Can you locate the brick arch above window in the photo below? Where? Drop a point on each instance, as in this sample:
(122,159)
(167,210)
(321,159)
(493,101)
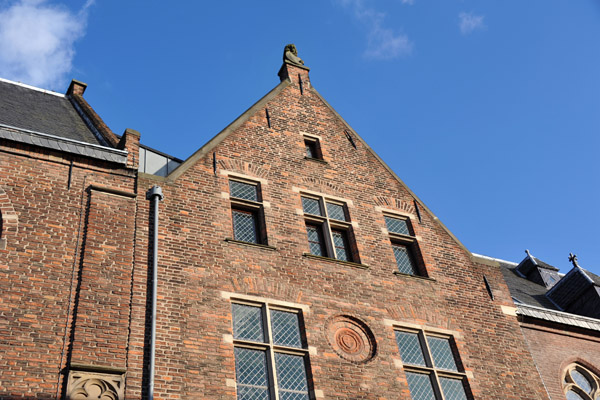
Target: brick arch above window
(245,168)
(9,220)
(395,203)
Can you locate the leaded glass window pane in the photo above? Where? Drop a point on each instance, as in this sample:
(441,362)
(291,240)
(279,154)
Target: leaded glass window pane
(286,329)
(441,353)
(397,225)
(243,190)
(581,381)
(404,260)
(311,206)
(248,323)
(453,389)
(571,395)
(340,243)
(410,348)
(291,376)
(315,240)
(336,211)
(251,374)
(420,386)
(244,226)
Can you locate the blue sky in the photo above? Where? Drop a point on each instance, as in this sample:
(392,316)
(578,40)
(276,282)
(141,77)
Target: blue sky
(489,111)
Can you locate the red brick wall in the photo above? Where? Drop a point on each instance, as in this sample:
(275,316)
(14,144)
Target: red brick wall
(195,355)
(41,262)
(553,349)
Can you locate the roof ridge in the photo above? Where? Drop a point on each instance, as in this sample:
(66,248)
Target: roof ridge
(24,85)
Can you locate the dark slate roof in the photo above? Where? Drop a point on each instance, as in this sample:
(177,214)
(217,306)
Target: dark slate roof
(36,110)
(571,287)
(593,277)
(524,290)
(542,264)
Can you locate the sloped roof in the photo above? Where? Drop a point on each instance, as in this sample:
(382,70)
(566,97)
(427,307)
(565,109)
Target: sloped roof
(524,290)
(33,109)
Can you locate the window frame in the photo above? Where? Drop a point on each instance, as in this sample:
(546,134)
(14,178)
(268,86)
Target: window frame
(270,348)
(570,385)
(254,208)
(328,225)
(409,242)
(435,373)
(315,145)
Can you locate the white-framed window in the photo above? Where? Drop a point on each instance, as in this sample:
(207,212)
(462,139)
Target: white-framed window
(431,364)
(404,245)
(579,383)
(271,355)
(328,228)
(247,212)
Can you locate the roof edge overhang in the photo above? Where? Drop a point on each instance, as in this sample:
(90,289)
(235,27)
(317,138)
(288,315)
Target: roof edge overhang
(559,317)
(58,143)
(219,137)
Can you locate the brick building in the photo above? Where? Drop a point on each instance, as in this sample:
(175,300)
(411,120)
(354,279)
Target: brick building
(559,316)
(291,263)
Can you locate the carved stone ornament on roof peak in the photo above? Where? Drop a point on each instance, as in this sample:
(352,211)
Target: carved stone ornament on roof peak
(290,54)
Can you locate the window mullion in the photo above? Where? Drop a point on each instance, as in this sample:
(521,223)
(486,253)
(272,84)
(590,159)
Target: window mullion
(437,387)
(328,236)
(273,370)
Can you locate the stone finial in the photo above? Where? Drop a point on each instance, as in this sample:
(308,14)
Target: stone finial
(290,54)
(573,259)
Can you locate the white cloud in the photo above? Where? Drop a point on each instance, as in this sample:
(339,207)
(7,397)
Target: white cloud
(383,42)
(37,41)
(469,22)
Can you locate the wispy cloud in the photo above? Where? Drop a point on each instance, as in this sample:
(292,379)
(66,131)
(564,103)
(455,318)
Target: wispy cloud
(37,41)
(383,43)
(469,22)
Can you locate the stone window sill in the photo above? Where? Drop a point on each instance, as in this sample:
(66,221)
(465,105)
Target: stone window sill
(426,278)
(336,261)
(316,160)
(260,246)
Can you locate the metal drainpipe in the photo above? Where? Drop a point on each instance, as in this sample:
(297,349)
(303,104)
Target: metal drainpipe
(155,194)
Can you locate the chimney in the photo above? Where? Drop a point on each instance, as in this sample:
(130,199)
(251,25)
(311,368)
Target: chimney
(130,141)
(293,68)
(76,87)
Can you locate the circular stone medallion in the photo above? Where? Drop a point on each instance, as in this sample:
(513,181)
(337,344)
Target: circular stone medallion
(351,338)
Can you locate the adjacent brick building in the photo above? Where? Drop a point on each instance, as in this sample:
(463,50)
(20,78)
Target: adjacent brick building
(292,263)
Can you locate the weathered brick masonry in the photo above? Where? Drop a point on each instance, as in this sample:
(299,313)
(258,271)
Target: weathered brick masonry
(199,270)
(76,250)
(66,259)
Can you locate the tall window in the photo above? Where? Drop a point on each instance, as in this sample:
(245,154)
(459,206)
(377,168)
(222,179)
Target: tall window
(329,229)
(580,383)
(270,353)
(432,367)
(247,212)
(404,244)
